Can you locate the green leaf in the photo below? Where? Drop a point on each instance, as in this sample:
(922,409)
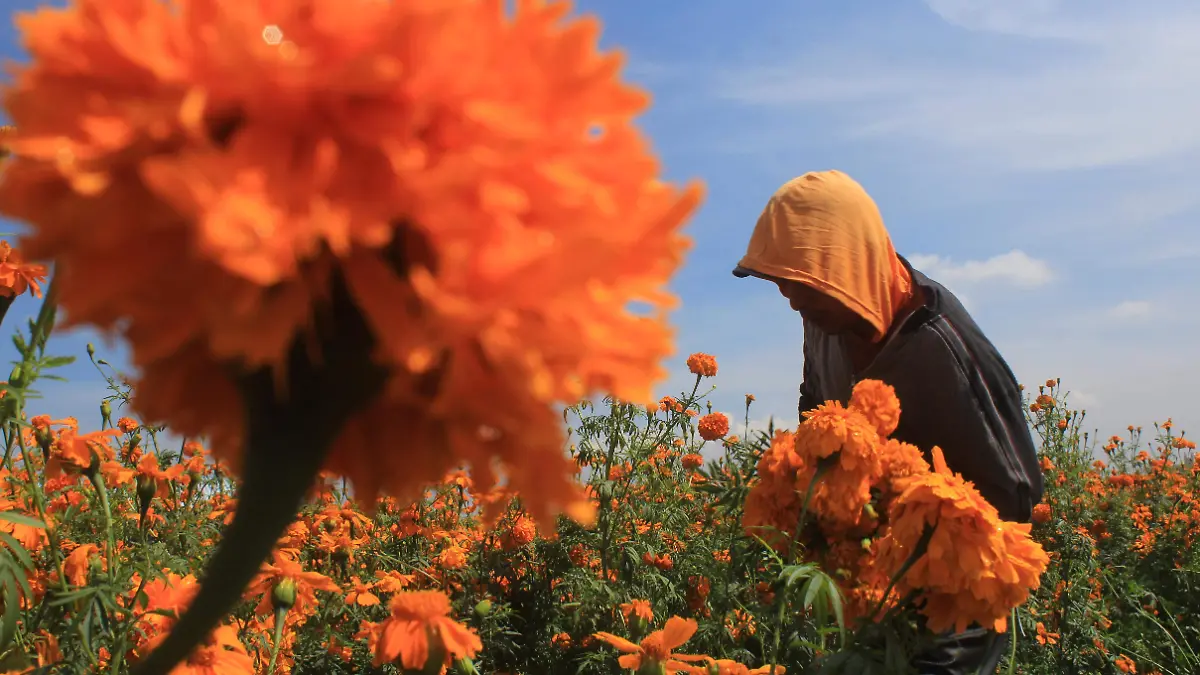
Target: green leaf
(71,596)
(57,361)
(12,611)
(811,590)
(19,518)
(17,550)
(835,599)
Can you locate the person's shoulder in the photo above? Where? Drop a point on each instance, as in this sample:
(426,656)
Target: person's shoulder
(940,302)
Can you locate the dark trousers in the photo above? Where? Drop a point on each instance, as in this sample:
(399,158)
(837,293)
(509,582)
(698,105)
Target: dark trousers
(976,651)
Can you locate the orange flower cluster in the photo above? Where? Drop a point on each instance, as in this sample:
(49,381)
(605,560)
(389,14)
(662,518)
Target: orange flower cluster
(861,484)
(975,568)
(490,207)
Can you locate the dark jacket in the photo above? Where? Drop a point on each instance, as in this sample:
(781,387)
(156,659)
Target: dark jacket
(955,391)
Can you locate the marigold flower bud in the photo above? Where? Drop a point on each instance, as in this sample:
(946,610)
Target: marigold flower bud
(283,595)
(483,608)
(16,378)
(146,490)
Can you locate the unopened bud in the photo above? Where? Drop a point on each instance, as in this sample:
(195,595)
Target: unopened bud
(96,569)
(43,437)
(283,596)
(869,509)
(866,544)
(91,351)
(135,440)
(16,378)
(147,488)
(483,608)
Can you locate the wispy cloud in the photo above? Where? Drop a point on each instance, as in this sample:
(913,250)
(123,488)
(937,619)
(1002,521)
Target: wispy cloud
(1112,83)
(1130,309)
(1014,268)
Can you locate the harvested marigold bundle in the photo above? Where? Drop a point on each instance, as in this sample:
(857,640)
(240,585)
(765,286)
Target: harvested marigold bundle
(975,567)
(967,565)
(353,254)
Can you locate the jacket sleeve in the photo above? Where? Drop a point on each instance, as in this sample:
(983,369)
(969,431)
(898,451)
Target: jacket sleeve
(966,401)
(808,388)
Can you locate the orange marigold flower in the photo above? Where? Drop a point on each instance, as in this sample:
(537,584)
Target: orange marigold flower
(692,461)
(491,207)
(17,276)
(847,442)
(1041,513)
(772,506)
(1125,664)
(1045,637)
(637,608)
(170,593)
(420,628)
(78,563)
(221,654)
(285,568)
(899,460)
(714,426)
(360,593)
(975,567)
(656,649)
(877,401)
(703,365)
(73,452)
(453,557)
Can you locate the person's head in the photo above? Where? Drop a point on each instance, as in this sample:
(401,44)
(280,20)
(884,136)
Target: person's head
(821,239)
(827,313)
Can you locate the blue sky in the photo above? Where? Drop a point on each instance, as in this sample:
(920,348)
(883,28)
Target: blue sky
(1038,157)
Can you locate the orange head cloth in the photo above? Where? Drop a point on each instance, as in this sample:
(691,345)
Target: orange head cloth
(823,230)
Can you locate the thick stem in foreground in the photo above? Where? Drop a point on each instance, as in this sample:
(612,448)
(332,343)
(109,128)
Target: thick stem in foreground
(289,434)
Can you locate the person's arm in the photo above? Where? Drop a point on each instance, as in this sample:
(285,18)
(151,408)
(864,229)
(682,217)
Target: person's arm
(808,397)
(965,400)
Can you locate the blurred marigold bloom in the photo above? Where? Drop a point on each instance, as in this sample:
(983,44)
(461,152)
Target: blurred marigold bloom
(487,200)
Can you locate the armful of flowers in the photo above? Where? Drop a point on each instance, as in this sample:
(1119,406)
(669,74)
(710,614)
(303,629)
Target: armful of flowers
(918,549)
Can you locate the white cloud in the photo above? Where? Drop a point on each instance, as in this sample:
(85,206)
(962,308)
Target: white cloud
(1080,84)
(1082,399)
(1015,268)
(1130,309)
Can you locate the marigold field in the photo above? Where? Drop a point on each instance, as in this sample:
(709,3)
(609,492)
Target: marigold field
(367,258)
(105,530)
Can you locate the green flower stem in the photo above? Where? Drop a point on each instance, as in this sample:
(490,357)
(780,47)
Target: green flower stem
(39,502)
(280,620)
(97,481)
(781,595)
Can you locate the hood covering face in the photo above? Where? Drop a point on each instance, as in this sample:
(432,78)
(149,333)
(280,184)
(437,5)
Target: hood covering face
(823,230)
